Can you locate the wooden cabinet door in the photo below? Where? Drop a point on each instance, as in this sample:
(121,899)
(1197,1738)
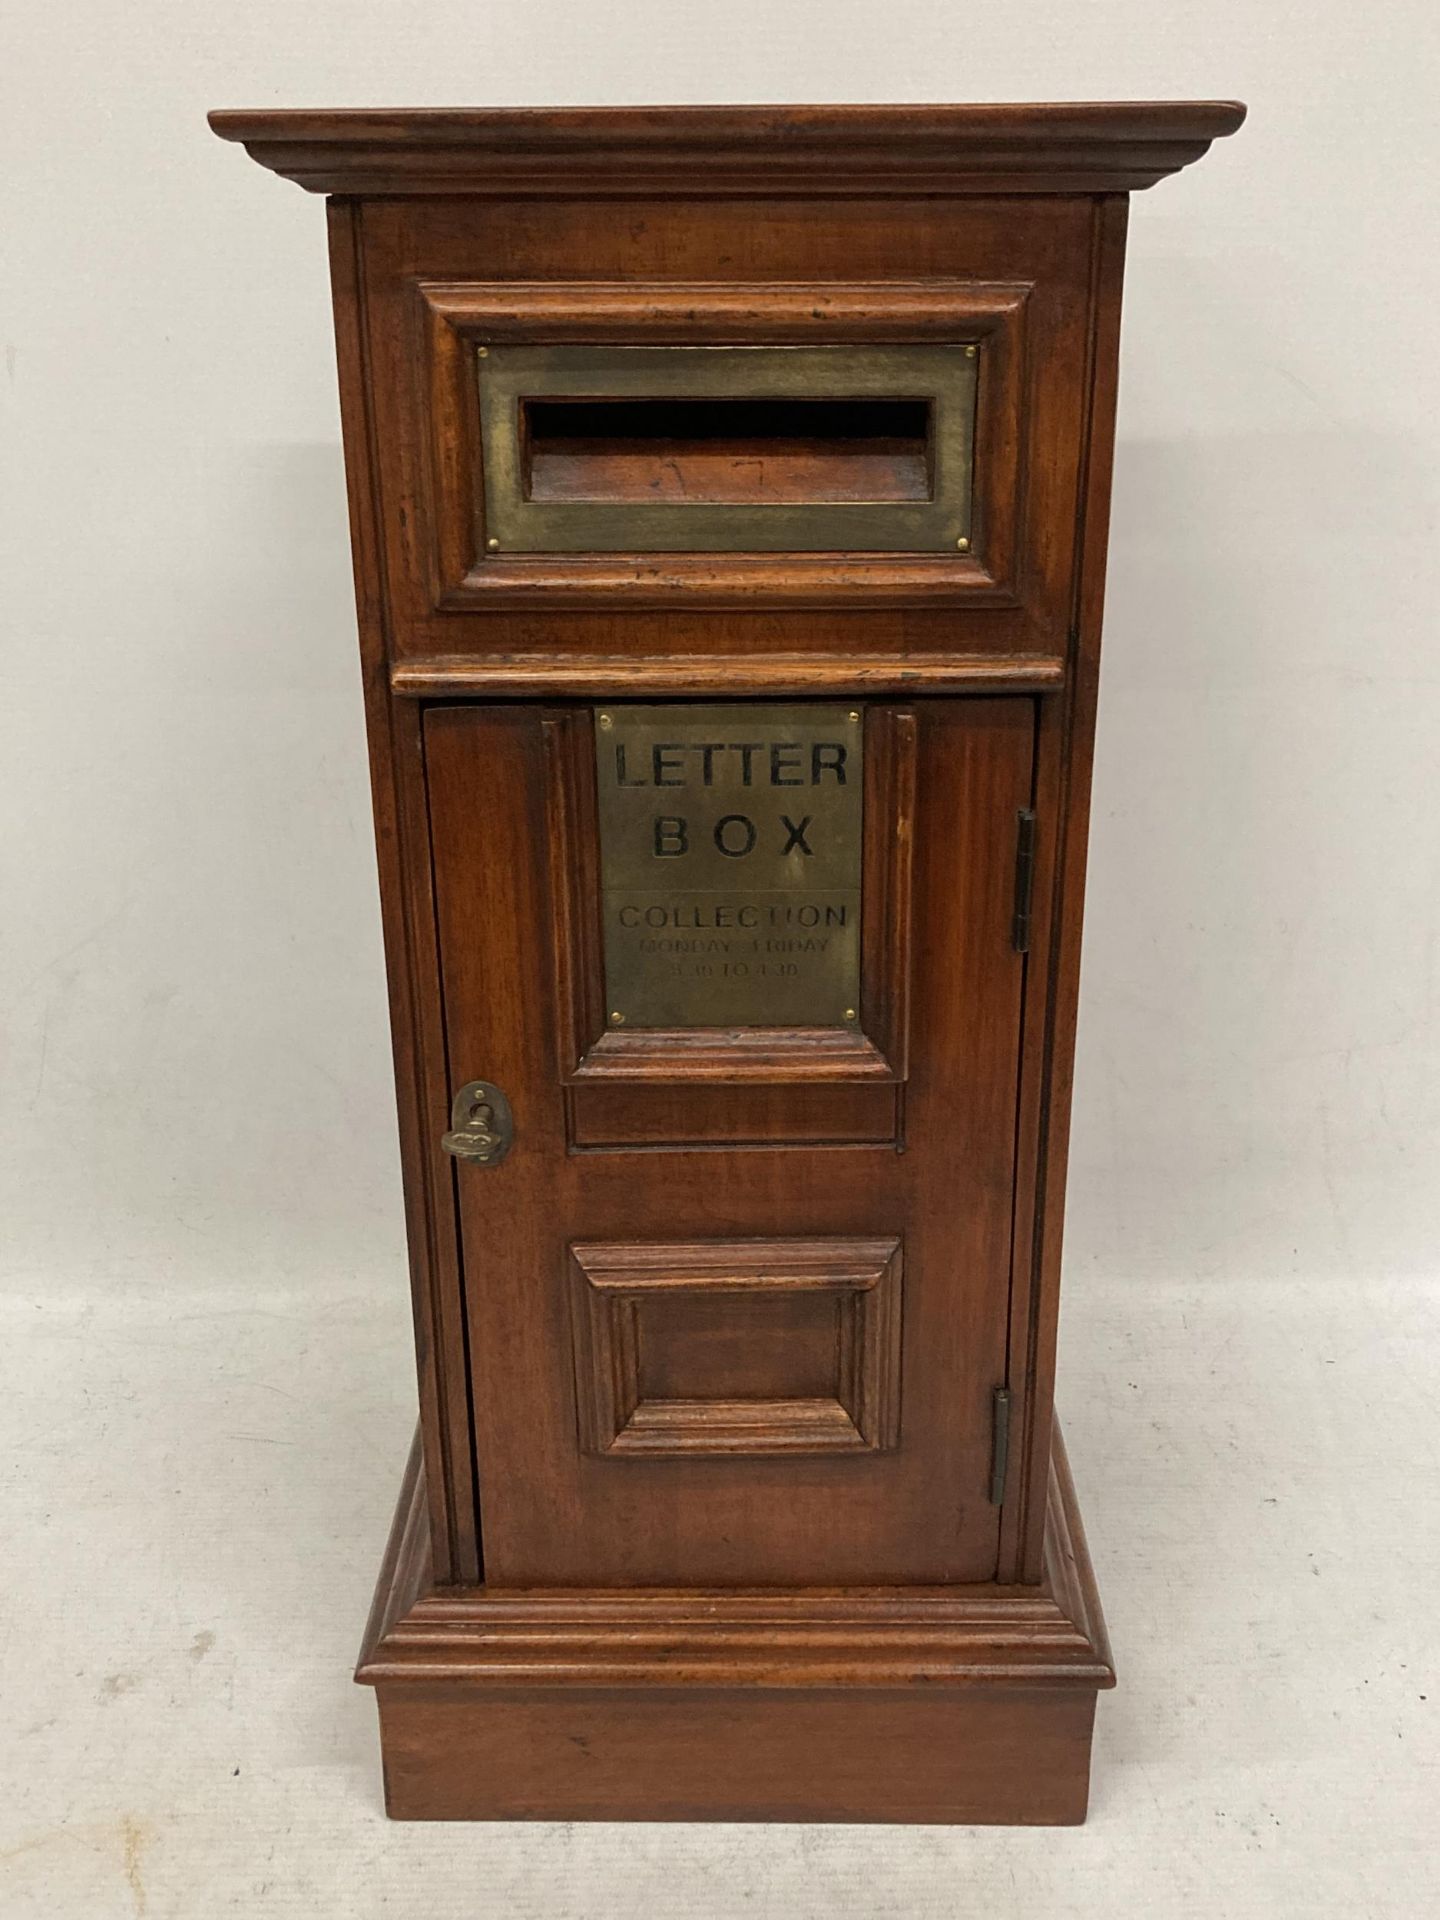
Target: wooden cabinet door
(735,1328)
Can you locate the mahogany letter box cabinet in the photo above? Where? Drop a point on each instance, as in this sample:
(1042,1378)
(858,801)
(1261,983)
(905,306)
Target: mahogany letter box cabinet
(729,493)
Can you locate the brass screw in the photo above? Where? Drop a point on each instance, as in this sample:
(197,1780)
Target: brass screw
(606,721)
(963,544)
(849,1013)
(854,713)
(969,352)
(480,352)
(617,1019)
(492,543)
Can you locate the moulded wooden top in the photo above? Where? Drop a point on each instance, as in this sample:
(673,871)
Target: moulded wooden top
(830,152)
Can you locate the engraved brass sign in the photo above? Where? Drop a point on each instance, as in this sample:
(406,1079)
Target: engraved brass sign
(730,855)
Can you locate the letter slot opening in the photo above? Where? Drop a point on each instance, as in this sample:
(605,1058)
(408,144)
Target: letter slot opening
(616,449)
(727,451)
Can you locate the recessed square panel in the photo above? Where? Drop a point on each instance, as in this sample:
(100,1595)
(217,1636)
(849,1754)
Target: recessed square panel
(737,1346)
(731,864)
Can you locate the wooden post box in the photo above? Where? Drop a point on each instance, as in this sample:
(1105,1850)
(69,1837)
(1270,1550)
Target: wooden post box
(729,493)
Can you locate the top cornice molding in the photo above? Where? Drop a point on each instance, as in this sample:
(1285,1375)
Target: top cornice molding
(731,152)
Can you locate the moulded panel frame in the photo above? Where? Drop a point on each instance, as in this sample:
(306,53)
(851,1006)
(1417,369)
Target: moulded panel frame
(456,318)
(615,1286)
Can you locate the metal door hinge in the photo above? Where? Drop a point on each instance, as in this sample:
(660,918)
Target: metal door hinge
(481,1127)
(1024,878)
(999,1444)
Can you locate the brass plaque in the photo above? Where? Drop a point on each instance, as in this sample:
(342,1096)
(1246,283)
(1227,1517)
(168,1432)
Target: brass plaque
(730,856)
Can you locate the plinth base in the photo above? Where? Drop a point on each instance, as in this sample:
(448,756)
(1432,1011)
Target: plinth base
(953,1705)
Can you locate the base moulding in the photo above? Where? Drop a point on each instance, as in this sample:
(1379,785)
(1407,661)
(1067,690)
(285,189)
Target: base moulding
(941,1704)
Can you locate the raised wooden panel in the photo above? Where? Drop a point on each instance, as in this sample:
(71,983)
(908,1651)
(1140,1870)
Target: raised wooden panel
(618,1114)
(737,1346)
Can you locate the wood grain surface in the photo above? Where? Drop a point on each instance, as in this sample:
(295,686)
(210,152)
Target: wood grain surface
(712,1510)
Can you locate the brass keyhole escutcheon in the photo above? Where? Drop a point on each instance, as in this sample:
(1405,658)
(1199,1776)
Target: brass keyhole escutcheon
(482,1126)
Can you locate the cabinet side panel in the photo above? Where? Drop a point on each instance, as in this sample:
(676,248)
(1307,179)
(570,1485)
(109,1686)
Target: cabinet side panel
(407,915)
(1062,804)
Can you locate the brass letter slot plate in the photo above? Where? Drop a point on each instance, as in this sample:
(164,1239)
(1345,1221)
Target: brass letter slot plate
(730,859)
(722,449)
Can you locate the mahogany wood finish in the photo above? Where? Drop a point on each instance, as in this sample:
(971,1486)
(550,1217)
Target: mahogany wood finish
(738,1346)
(1088,147)
(950,1704)
(712,1510)
(455,319)
(920,1513)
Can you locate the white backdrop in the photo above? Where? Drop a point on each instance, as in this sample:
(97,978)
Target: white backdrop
(195,1076)
(195,1104)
